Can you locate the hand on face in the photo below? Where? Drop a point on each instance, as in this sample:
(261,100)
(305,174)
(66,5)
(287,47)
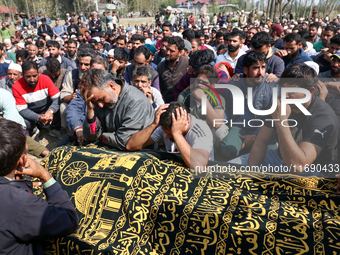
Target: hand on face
(179,123)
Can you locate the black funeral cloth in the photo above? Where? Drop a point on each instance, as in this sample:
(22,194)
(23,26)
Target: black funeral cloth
(135,203)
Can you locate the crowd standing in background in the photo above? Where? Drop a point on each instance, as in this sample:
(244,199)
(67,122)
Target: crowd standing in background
(141,86)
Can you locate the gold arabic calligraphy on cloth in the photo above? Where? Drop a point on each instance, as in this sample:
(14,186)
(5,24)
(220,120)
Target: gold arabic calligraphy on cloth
(133,203)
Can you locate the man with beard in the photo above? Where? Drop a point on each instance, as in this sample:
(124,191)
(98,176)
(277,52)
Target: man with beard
(73,29)
(14,73)
(54,71)
(37,98)
(261,42)
(168,14)
(251,32)
(53,48)
(128,110)
(326,35)
(95,25)
(276,31)
(137,40)
(71,50)
(166,32)
(234,50)
(45,30)
(331,77)
(293,52)
(313,33)
(142,58)
(309,139)
(120,43)
(241,138)
(173,68)
(324,58)
(162,51)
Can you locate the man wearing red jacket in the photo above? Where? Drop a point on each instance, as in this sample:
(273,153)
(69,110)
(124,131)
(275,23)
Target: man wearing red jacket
(36,96)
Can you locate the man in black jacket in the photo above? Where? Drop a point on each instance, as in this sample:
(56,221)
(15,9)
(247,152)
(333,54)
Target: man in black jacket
(44,29)
(25,218)
(73,29)
(95,26)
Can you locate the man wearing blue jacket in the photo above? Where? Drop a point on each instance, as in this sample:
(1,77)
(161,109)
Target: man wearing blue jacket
(242,134)
(293,52)
(26,219)
(261,42)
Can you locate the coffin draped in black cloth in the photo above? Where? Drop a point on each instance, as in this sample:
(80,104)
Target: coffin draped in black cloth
(141,203)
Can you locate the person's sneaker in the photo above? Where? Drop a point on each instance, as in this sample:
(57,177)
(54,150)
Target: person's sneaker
(56,133)
(65,140)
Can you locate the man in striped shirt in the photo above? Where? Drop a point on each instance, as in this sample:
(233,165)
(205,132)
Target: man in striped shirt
(36,96)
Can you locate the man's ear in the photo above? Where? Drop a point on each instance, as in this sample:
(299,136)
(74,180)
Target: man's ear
(112,85)
(300,45)
(245,71)
(21,162)
(312,91)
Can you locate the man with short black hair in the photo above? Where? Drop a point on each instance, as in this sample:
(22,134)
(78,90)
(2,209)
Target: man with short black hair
(254,76)
(166,31)
(45,30)
(25,218)
(142,80)
(128,109)
(326,35)
(173,68)
(72,29)
(22,56)
(142,57)
(37,98)
(293,52)
(261,42)
(309,139)
(118,68)
(53,48)
(181,132)
(137,40)
(324,59)
(71,50)
(54,71)
(234,50)
(313,33)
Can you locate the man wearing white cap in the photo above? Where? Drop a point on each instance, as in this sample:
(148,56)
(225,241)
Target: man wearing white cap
(243,19)
(168,15)
(14,73)
(110,56)
(3,59)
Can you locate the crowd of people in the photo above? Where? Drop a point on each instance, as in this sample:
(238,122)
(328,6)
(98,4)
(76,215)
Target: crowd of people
(128,87)
(158,86)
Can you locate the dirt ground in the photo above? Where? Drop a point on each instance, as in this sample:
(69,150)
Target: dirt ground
(46,140)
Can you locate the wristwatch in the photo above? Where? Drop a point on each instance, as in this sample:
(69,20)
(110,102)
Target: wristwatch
(51,111)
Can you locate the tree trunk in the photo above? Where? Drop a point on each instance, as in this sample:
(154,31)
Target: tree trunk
(291,7)
(310,9)
(298,12)
(34,8)
(280,10)
(268,7)
(275,6)
(27,9)
(319,7)
(304,10)
(332,9)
